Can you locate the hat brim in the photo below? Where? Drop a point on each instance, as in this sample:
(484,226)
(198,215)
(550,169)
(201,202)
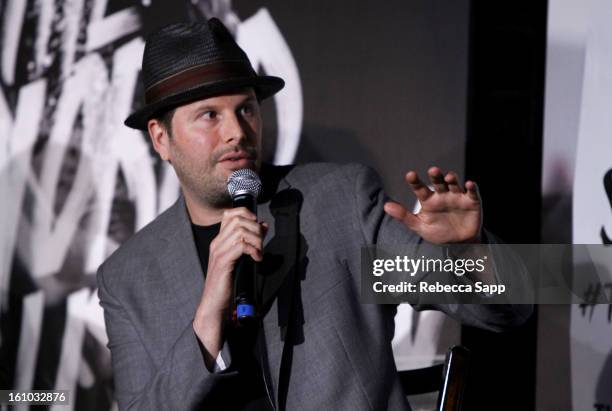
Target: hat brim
(264,86)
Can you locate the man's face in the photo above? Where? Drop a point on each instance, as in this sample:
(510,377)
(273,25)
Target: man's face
(210,139)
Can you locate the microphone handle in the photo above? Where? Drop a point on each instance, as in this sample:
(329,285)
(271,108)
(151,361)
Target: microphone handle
(244,274)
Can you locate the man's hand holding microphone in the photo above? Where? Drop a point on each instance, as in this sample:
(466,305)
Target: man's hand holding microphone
(240,235)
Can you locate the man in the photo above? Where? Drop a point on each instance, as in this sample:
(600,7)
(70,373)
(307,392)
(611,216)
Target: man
(167,292)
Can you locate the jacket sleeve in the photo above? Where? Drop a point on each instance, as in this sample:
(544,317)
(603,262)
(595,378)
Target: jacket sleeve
(181,381)
(378,228)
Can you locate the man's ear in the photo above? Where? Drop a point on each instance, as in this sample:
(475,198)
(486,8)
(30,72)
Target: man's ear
(159,138)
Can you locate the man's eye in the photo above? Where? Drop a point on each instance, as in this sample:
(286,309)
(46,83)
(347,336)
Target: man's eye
(209,115)
(247,110)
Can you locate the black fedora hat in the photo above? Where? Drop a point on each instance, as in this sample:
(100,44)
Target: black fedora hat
(185,62)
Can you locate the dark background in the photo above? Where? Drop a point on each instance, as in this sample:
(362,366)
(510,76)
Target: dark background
(504,154)
(384,84)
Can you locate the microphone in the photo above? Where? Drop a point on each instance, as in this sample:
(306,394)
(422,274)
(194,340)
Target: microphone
(244,186)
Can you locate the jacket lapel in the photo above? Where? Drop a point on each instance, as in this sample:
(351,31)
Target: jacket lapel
(179,262)
(279,277)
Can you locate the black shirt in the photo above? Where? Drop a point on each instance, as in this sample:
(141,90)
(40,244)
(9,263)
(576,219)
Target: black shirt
(246,390)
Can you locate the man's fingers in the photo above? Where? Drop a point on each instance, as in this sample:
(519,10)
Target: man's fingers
(230,213)
(437,180)
(240,242)
(239,221)
(245,236)
(255,253)
(398,212)
(453,183)
(243,211)
(472,190)
(421,191)
(237,232)
(229,257)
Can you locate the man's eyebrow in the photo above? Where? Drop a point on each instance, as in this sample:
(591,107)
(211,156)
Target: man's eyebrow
(249,99)
(204,105)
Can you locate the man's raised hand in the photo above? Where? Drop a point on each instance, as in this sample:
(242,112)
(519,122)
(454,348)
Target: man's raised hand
(449,214)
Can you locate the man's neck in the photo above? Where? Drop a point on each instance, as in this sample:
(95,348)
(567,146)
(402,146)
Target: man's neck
(201,214)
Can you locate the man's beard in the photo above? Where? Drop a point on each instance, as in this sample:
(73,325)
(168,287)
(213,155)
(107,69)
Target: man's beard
(209,188)
(214,192)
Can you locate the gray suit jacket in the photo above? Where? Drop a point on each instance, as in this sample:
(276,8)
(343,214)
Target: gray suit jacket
(325,350)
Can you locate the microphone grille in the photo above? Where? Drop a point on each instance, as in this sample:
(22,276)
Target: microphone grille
(244,181)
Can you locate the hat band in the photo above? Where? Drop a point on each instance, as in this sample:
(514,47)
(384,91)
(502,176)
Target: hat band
(197,76)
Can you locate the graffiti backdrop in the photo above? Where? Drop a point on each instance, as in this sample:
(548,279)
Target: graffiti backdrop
(75,182)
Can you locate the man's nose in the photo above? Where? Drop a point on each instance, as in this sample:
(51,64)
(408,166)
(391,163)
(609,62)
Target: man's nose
(233,130)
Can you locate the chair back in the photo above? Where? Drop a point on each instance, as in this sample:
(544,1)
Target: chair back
(449,379)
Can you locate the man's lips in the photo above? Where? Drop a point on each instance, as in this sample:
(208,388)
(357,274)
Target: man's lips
(236,156)
(237,160)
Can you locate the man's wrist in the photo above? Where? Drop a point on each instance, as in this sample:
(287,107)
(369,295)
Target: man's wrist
(208,320)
